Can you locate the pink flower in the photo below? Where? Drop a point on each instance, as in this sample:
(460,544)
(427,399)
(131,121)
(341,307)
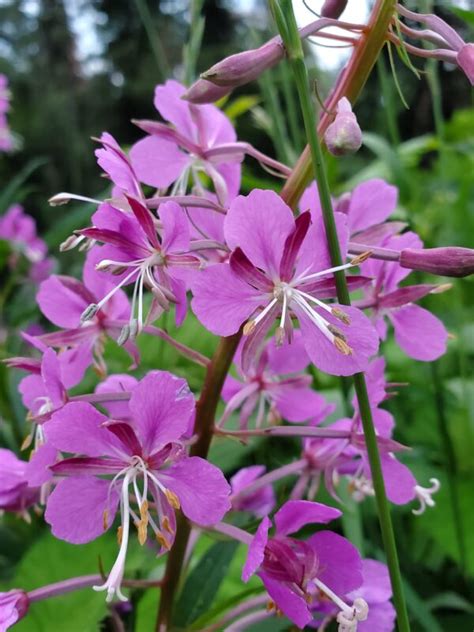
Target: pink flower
(276,381)
(13,607)
(15,493)
(144,457)
(19,229)
(137,253)
(420,334)
(280,269)
(260,502)
(291,569)
(63,301)
(198,138)
(116,164)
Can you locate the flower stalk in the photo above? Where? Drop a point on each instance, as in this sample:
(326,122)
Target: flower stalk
(286,22)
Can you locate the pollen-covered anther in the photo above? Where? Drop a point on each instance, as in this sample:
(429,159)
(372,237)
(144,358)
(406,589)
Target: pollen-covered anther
(270,606)
(342,346)
(28,439)
(249,327)
(339,314)
(142,530)
(172,499)
(165,523)
(357,260)
(161,539)
(105,520)
(119,535)
(279,336)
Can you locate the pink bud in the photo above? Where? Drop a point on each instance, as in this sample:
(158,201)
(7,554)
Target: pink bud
(465,59)
(344,135)
(451,261)
(333,8)
(243,67)
(203,91)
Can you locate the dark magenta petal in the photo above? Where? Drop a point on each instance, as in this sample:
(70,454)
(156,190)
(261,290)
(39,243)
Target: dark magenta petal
(80,465)
(294,606)
(405,295)
(145,220)
(256,550)
(295,514)
(245,270)
(126,434)
(292,245)
(115,239)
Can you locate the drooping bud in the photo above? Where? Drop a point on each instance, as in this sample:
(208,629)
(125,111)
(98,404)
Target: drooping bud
(243,67)
(203,91)
(344,135)
(333,8)
(465,59)
(451,261)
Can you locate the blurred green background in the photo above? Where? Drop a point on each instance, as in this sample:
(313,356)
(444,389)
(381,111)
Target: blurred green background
(79,67)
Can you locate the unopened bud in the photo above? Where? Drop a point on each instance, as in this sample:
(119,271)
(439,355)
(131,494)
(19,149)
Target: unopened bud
(344,135)
(449,261)
(203,91)
(241,68)
(333,8)
(465,59)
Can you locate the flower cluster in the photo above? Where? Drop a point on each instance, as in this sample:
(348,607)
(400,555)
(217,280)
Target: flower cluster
(128,456)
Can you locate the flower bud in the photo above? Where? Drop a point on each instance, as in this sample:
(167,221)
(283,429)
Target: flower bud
(451,261)
(243,67)
(333,8)
(203,91)
(465,59)
(344,135)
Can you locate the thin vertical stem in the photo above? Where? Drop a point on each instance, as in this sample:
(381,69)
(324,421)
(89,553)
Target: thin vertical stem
(193,46)
(388,101)
(285,18)
(153,38)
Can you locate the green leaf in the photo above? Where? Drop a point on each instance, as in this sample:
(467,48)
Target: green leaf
(11,193)
(464,14)
(420,611)
(241,105)
(203,582)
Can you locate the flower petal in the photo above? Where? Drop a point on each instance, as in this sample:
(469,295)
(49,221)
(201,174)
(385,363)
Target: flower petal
(61,305)
(371,203)
(420,334)
(161,406)
(295,514)
(76,507)
(201,488)
(291,604)
(175,228)
(259,223)
(222,302)
(157,162)
(256,550)
(297,403)
(77,428)
(340,565)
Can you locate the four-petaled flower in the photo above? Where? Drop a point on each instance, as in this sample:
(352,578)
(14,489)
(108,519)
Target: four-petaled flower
(140,465)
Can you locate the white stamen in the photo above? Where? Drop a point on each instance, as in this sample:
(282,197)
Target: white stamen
(320,322)
(359,612)
(316,275)
(424,495)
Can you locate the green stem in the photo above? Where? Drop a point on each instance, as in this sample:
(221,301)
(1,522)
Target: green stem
(192,48)
(349,84)
(154,39)
(205,415)
(291,105)
(388,101)
(285,18)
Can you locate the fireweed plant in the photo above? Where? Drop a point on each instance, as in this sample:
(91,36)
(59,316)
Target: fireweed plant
(272,274)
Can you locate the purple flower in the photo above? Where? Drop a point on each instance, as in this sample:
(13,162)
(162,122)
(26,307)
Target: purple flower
(376,591)
(197,139)
(19,229)
(116,164)
(63,300)
(13,607)
(144,457)
(15,493)
(137,253)
(292,569)
(280,268)
(420,334)
(259,503)
(275,380)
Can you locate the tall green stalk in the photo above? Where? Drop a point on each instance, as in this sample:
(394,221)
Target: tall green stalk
(154,39)
(286,22)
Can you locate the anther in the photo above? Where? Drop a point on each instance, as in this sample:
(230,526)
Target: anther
(439,289)
(249,327)
(166,525)
(342,346)
(279,336)
(336,332)
(89,312)
(105,520)
(172,499)
(124,335)
(119,535)
(361,258)
(342,316)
